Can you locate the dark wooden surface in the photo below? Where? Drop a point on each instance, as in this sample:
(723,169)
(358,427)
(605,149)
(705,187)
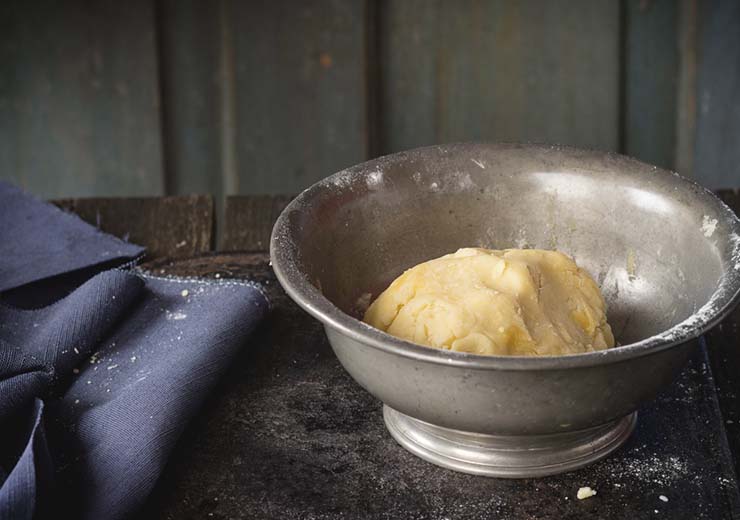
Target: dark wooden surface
(166,226)
(288,434)
(248,221)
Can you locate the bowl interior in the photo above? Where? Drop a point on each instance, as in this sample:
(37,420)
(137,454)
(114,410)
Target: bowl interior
(653,241)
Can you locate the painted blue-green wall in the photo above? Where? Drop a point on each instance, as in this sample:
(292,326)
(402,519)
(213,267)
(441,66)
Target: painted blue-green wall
(225,97)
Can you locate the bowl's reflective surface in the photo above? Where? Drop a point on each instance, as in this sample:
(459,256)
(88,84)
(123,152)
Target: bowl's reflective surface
(659,246)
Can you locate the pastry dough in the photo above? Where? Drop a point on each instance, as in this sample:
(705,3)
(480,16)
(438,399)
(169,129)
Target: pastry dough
(521,302)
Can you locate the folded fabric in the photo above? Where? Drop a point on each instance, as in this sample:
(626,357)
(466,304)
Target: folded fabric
(39,240)
(96,387)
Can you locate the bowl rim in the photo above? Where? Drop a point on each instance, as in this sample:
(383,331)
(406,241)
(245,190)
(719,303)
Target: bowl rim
(295,283)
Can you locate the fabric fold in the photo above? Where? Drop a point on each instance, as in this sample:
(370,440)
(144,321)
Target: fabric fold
(96,387)
(39,240)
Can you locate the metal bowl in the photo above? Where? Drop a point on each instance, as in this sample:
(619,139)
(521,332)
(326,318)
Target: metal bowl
(665,251)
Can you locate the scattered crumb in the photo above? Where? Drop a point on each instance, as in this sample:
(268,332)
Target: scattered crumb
(585,492)
(184,293)
(76,351)
(663,498)
(75,370)
(89,382)
(181,244)
(175,315)
(133,358)
(77,401)
(218,275)
(708,225)
(112,367)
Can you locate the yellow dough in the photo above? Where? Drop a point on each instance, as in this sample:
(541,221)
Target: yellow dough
(520,302)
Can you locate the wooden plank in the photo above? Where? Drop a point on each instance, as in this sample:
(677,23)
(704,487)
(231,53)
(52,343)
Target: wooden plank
(651,77)
(717,160)
(722,343)
(499,70)
(249,220)
(189,51)
(686,96)
(79,98)
(300,91)
(167,226)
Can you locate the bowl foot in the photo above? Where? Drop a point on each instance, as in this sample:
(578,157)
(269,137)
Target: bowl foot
(508,456)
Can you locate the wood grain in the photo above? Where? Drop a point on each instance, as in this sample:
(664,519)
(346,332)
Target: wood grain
(717,158)
(650,80)
(189,54)
(301,92)
(499,70)
(249,220)
(167,226)
(79,99)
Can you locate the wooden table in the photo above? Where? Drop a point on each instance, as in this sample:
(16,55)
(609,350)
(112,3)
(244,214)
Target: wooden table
(288,434)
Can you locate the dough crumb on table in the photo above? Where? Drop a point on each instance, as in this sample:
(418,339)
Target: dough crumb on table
(585,492)
(522,302)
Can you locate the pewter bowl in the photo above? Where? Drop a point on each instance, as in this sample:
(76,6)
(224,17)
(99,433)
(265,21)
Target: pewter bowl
(665,251)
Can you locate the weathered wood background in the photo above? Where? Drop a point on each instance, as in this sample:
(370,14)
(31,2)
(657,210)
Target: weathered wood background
(153,97)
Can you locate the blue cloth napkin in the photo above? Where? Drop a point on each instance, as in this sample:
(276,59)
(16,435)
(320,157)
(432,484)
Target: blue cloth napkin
(96,387)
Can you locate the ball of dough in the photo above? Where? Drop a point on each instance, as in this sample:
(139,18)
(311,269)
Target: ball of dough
(520,302)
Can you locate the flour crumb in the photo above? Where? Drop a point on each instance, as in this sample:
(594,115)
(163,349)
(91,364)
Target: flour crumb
(112,367)
(133,358)
(708,225)
(184,293)
(585,492)
(175,315)
(663,498)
